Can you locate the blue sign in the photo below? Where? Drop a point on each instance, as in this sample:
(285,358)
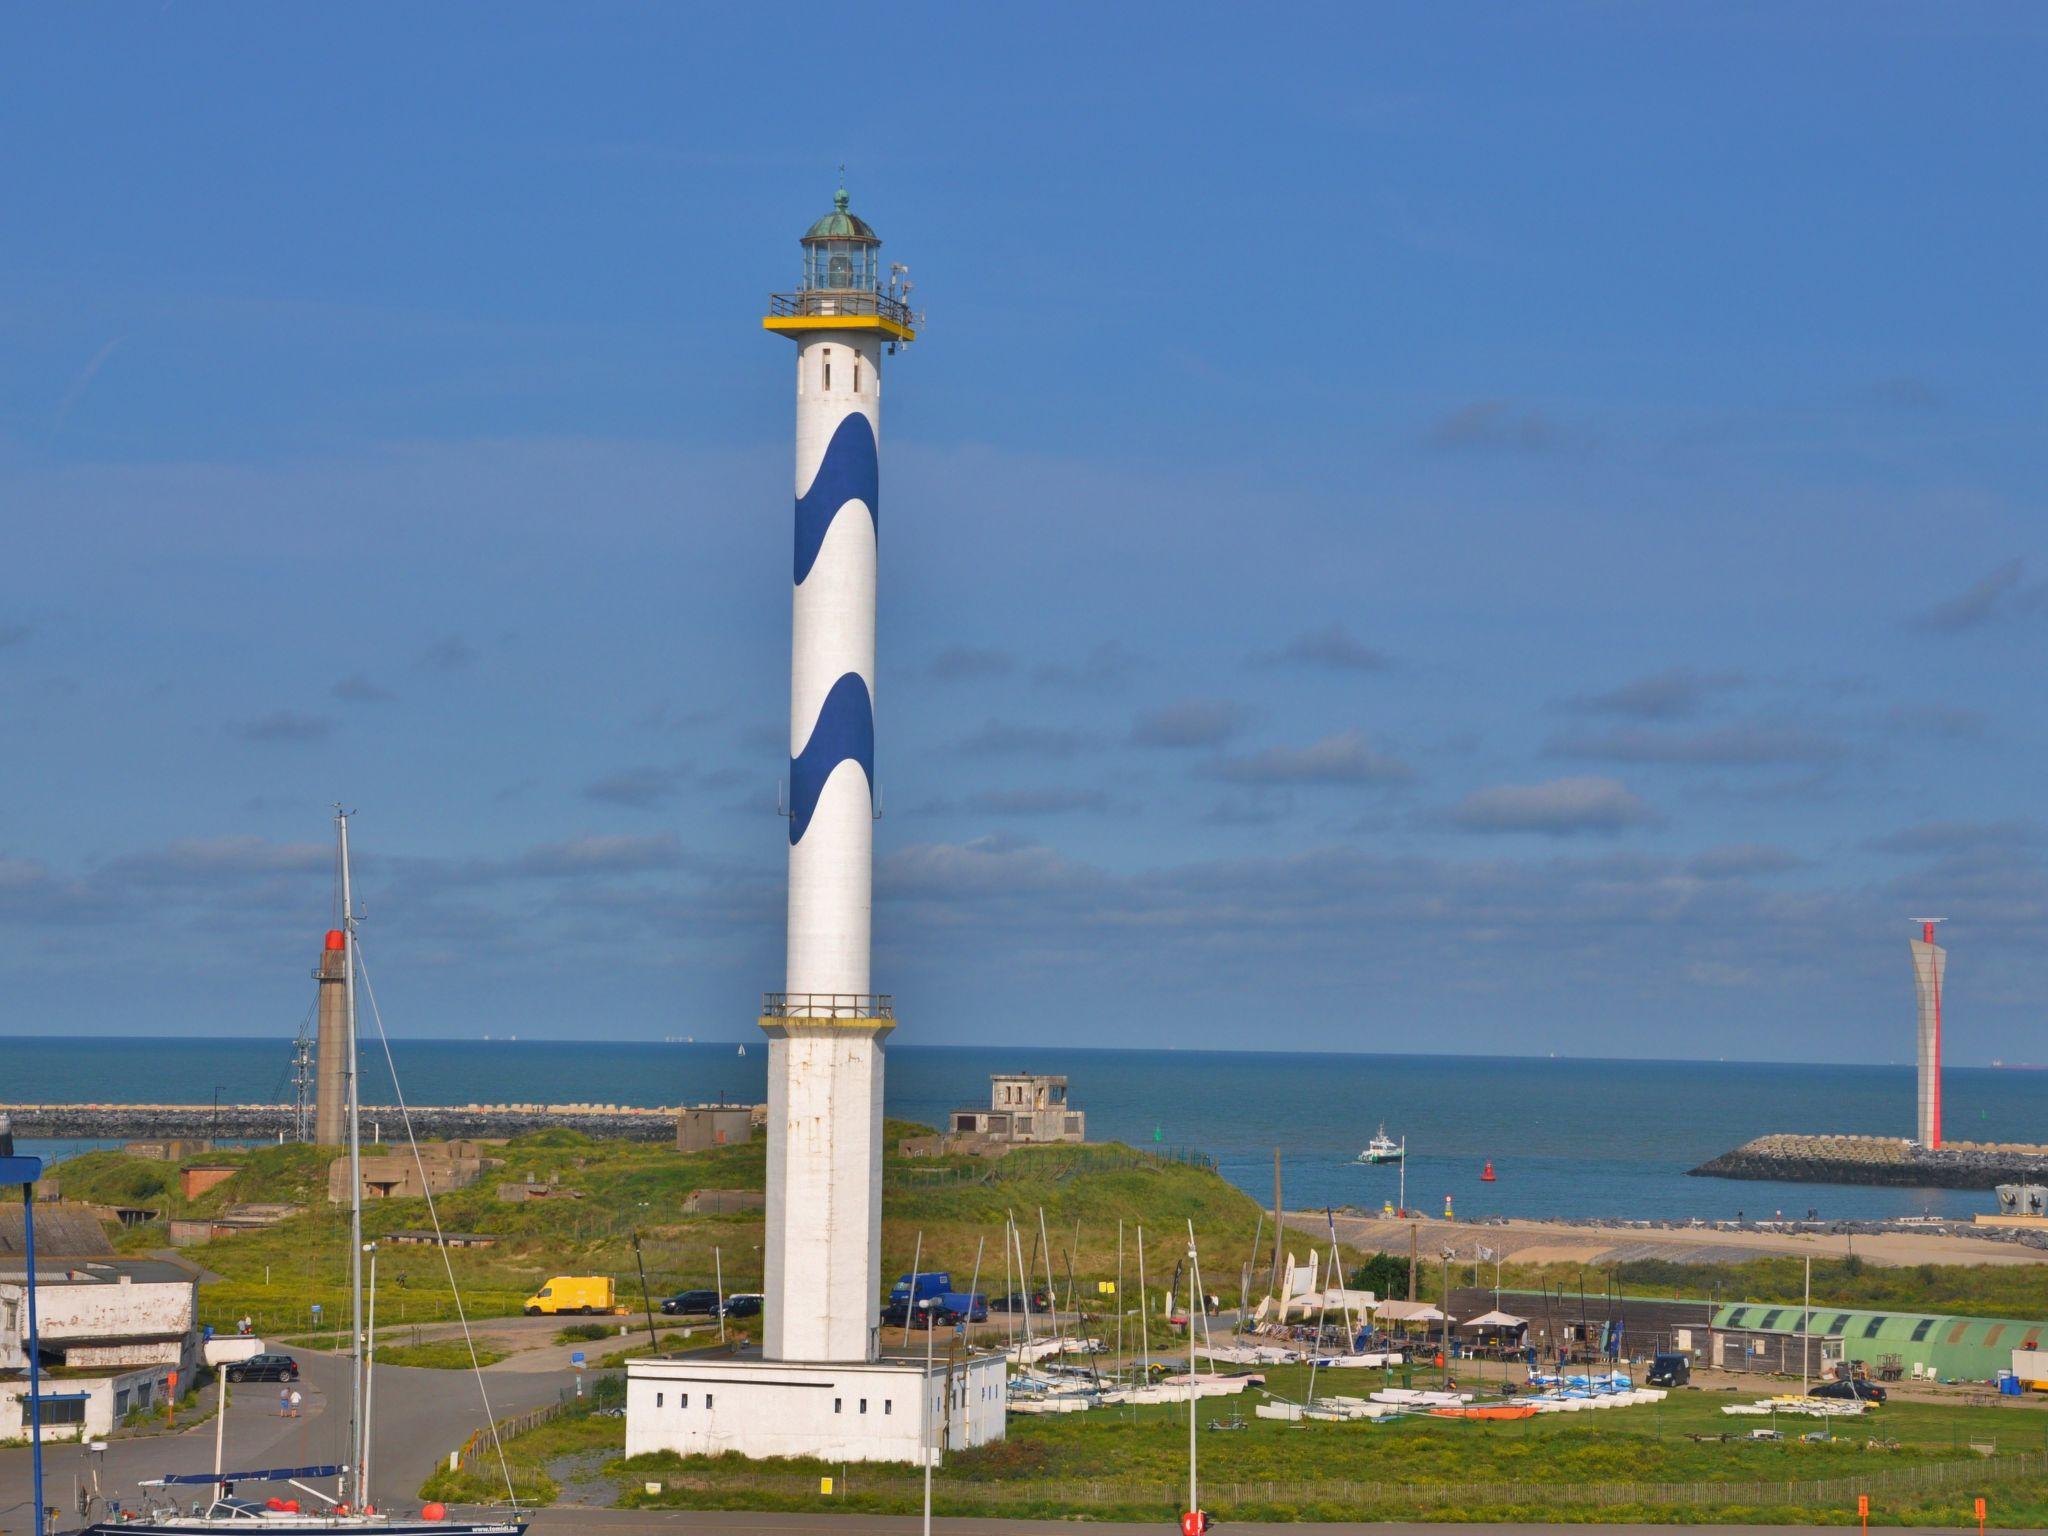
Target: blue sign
(316,1309)
(576,1359)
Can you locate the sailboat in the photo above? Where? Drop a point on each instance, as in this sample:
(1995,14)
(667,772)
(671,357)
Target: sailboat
(350,1509)
(1383,1148)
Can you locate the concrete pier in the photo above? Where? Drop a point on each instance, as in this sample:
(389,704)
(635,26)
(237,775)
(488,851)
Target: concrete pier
(1886,1160)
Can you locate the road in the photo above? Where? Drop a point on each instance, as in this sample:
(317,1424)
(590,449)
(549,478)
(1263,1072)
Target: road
(419,1417)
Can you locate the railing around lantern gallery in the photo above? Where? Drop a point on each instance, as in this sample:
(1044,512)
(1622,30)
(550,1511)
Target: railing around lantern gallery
(842,301)
(827,1005)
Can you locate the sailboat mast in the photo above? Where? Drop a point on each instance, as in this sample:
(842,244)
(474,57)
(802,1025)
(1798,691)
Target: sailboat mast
(355,1182)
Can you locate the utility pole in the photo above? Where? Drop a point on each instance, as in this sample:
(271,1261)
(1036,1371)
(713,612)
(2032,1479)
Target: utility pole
(1411,1260)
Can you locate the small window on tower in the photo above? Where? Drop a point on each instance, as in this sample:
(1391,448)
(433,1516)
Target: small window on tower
(828,368)
(856,375)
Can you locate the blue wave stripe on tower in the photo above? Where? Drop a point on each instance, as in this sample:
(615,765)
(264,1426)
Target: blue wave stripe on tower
(850,471)
(845,728)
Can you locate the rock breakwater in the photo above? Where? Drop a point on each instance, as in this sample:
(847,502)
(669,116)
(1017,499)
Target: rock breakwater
(1879,1160)
(269,1122)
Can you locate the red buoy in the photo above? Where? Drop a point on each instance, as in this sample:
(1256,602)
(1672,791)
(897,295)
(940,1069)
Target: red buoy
(1486,1177)
(434,1512)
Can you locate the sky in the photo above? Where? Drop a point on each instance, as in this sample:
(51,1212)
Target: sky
(1407,527)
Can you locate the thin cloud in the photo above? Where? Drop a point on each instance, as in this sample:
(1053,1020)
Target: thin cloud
(1940,839)
(1003,738)
(1346,758)
(1332,646)
(1554,808)
(1491,426)
(1744,744)
(358,689)
(1190,723)
(285,727)
(450,653)
(1039,802)
(971,663)
(1668,695)
(14,634)
(84,381)
(1742,861)
(602,855)
(2002,593)
(1105,666)
(641,788)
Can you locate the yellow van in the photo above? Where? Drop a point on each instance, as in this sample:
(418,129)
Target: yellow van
(581,1294)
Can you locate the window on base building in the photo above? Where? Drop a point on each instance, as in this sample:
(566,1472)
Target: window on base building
(707,1399)
(657,1399)
(863,1405)
(888,1407)
(837,1404)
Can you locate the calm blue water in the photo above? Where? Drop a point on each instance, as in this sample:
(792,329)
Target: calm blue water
(1567,1138)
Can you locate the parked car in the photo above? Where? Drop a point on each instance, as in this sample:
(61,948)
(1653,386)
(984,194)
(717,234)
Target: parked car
(744,1304)
(1017,1301)
(691,1304)
(264,1368)
(1670,1370)
(1867,1391)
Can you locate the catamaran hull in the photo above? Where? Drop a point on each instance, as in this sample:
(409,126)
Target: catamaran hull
(284,1524)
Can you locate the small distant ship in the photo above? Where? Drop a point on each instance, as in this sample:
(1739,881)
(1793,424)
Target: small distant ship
(1383,1148)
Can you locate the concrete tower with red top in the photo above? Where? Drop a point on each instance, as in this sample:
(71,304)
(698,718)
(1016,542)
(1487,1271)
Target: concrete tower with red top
(1930,969)
(330,1103)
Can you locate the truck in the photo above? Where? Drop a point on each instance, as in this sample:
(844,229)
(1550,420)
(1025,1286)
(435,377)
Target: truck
(931,1287)
(580,1294)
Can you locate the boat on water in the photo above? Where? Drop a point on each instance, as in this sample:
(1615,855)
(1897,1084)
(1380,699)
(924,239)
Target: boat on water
(1383,1148)
(350,1508)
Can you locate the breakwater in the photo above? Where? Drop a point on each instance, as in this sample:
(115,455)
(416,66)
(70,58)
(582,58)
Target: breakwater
(272,1122)
(1883,1160)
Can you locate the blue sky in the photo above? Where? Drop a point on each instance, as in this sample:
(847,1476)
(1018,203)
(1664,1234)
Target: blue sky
(1409,527)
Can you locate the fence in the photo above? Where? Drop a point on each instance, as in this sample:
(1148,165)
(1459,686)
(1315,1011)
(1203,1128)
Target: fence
(607,1389)
(1807,1493)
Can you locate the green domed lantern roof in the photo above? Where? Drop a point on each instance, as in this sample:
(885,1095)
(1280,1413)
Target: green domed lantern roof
(842,225)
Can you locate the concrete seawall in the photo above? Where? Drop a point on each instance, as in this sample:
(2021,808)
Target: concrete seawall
(1879,1160)
(267,1122)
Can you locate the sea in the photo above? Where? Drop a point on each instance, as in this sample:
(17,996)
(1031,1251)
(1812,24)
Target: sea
(1566,1138)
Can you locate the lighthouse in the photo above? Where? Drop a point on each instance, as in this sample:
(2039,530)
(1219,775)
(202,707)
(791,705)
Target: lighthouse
(823,1384)
(826,1028)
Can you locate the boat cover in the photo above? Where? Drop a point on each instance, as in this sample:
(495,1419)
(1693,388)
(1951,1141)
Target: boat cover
(269,1475)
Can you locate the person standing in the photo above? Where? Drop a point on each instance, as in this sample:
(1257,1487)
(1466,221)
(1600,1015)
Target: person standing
(284,1401)
(295,1402)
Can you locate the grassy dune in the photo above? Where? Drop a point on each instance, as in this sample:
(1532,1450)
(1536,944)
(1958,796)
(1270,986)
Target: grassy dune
(275,1276)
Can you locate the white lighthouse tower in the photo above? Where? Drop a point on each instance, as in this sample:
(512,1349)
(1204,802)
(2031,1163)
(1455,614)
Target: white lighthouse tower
(822,1261)
(822,1384)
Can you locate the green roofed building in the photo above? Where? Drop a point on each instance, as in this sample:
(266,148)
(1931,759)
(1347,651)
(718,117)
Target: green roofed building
(1951,1348)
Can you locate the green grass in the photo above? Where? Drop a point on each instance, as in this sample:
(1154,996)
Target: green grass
(438,1354)
(1128,1465)
(277,1274)
(584,1333)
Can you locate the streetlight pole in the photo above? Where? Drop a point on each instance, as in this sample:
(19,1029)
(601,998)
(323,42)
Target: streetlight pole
(928,1448)
(1194,1496)
(25,1171)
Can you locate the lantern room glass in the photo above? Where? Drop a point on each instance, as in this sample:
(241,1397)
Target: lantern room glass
(840,264)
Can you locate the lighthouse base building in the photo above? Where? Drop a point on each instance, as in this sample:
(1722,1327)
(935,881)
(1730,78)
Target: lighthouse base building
(821,1384)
